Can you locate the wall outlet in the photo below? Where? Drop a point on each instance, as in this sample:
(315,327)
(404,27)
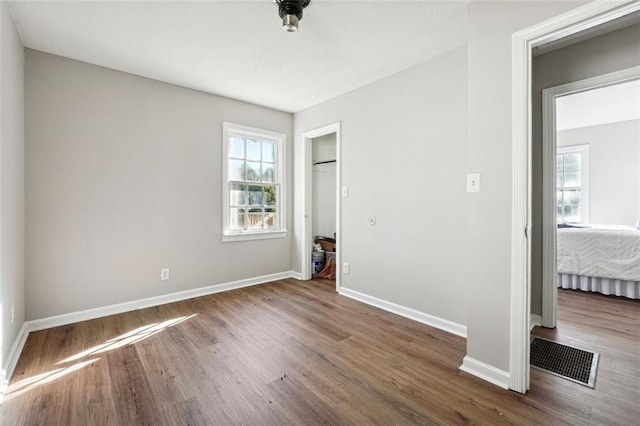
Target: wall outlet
(345,268)
(13,313)
(164,274)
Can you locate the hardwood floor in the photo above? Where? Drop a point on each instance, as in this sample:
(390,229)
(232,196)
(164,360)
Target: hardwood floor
(295,352)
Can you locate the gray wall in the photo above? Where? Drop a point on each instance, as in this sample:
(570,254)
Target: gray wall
(597,56)
(404,161)
(488,246)
(12,226)
(123,177)
(614,170)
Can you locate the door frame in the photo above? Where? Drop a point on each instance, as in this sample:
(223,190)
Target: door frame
(580,19)
(305,250)
(549,148)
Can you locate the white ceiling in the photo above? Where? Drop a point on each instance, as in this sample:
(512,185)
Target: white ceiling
(610,104)
(238,48)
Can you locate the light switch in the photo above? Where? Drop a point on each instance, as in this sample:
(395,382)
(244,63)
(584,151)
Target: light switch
(345,192)
(473,182)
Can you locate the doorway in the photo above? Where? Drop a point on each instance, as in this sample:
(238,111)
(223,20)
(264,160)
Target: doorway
(587,17)
(322,197)
(553,100)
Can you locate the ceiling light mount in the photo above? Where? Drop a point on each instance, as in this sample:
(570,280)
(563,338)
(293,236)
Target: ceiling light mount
(291,13)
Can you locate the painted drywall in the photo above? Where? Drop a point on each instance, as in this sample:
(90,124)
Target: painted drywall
(614,170)
(12,201)
(123,177)
(488,243)
(403,159)
(600,55)
(323,186)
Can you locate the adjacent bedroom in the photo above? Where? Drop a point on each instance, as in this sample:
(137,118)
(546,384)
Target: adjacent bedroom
(598,190)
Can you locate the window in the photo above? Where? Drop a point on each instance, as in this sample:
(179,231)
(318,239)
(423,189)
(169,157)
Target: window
(572,180)
(253,189)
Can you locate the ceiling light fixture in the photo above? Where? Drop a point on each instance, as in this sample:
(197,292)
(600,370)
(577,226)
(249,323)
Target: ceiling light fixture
(291,13)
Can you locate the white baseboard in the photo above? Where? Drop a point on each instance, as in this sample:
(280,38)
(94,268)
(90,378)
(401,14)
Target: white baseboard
(103,311)
(486,372)
(296,275)
(12,358)
(88,314)
(433,321)
(536,321)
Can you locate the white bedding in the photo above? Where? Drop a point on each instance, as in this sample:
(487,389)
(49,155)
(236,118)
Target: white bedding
(600,251)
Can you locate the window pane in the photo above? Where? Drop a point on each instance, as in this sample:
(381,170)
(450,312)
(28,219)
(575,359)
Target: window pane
(236,170)
(572,213)
(572,197)
(269,152)
(237,195)
(572,179)
(560,180)
(255,195)
(572,162)
(268,173)
(253,171)
(559,163)
(559,207)
(253,150)
(236,218)
(236,147)
(255,219)
(271,217)
(270,195)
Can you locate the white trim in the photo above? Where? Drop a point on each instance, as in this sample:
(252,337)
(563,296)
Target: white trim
(103,311)
(226,238)
(295,275)
(549,149)
(12,358)
(536,321)
(485,372)
(523,42)
(520,218)
(307,209)
(281,142)
(421,317)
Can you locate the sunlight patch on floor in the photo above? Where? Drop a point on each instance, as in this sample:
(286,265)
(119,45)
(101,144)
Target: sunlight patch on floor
(38,380)
(128,338)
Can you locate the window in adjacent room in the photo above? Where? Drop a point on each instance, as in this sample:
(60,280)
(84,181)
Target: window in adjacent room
(572,181)
(253,184)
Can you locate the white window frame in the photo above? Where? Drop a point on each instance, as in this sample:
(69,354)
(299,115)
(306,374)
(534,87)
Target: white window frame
(583,150)
(228,235)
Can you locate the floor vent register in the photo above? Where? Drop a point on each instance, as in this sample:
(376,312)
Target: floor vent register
(571,363)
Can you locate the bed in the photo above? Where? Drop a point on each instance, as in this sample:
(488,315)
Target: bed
(600,258)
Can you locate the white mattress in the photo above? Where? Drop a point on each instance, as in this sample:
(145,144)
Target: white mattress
(600,251)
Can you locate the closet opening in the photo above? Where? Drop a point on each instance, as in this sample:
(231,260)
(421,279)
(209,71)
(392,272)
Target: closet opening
(321,246)
(323,206)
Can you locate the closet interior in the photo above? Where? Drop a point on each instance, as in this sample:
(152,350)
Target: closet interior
(323,212)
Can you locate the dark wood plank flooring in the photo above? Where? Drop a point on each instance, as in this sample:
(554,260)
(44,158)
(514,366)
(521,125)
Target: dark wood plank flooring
(293,352)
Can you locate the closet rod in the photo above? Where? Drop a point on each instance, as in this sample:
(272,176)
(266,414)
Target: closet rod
(323,162)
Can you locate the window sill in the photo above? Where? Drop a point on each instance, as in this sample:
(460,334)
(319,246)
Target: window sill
(228,238)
